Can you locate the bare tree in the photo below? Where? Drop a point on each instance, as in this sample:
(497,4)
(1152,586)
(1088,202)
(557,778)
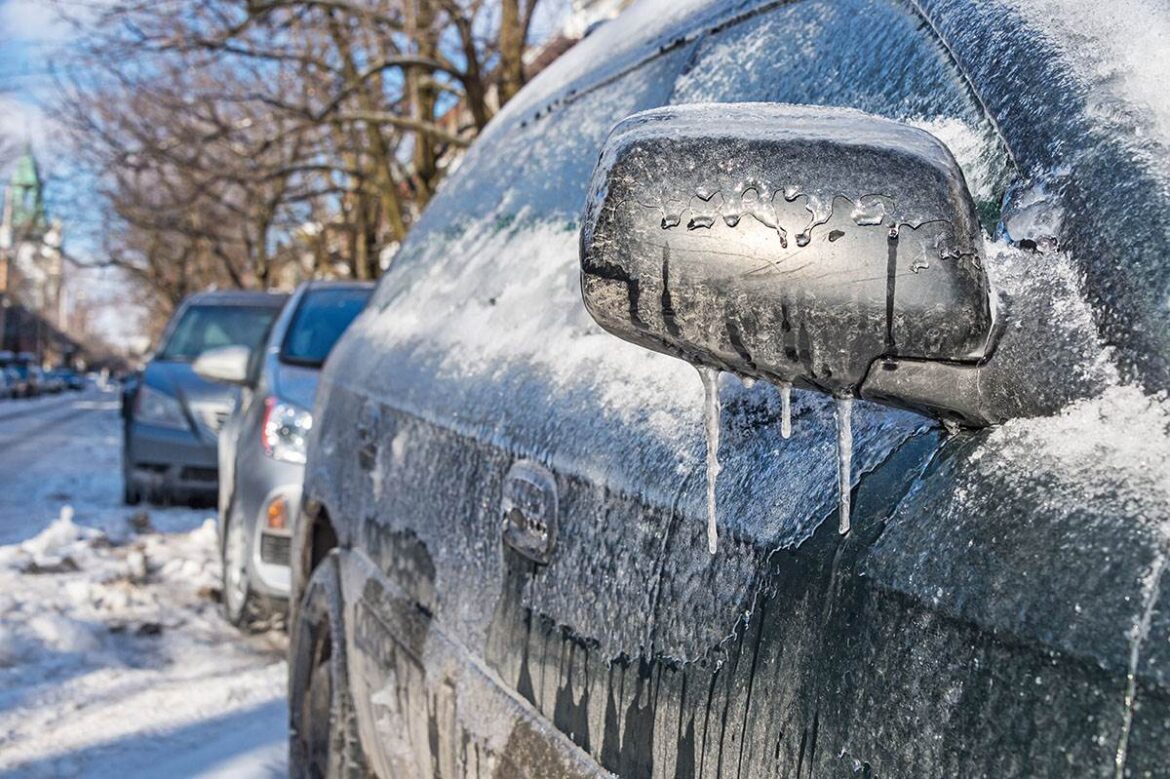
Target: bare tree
(237,141)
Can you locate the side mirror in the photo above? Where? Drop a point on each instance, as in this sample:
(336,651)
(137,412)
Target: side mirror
(819,247)
(225,364)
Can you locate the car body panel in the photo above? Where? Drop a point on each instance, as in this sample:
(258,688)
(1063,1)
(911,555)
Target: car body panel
(995,609)
(251,479)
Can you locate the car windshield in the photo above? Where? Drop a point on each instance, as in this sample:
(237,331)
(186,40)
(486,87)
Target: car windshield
(319,321)
(211,326)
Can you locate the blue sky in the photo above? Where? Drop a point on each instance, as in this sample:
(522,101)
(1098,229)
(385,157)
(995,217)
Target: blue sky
(29,36)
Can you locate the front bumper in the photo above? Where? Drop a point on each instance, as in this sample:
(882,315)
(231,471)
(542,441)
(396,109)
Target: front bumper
(162,460)
(268,559)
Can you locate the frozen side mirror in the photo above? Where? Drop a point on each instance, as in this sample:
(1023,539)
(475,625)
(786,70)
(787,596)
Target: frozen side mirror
(225,364)
(821,247)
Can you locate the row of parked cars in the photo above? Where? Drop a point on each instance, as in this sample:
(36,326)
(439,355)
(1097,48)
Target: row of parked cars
(221,414)
(912,522)
(21,376)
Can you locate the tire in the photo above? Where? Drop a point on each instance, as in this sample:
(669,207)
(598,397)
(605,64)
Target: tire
(241,606)
(323,738)
(131,495)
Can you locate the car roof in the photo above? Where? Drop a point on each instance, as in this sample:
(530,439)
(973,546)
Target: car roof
(237,298)
(336,284)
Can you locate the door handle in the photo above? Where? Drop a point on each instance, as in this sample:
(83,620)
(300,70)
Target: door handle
(367,433)
(528,507)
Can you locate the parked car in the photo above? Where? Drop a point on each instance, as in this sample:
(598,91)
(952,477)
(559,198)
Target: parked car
(174,416)
(52,382)
(262,444)
(17,383)
(29,374)
(936,480)
(9,380)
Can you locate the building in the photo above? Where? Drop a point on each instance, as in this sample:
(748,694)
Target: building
(31,268)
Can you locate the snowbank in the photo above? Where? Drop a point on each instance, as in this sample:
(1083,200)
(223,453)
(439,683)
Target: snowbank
(114,659)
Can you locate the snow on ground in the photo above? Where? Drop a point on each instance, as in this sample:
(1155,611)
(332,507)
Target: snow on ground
(114,658)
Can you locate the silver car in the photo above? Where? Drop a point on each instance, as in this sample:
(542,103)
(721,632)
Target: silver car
(172,416)
(262,445)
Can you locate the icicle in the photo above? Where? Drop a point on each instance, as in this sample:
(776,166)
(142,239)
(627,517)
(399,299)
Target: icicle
(844,459)
(786,409)
(710,377)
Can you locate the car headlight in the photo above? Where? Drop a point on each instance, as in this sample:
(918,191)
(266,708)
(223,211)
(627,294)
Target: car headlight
(285,430)
(155,407)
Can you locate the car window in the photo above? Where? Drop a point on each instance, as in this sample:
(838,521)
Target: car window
(878,56)
(320,319)
(209,327)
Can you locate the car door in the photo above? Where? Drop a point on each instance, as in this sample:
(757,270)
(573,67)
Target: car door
(628,637)
(528,569)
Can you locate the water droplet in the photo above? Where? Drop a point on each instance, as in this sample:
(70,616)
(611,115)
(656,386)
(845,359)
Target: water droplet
(844,414)
(710,377)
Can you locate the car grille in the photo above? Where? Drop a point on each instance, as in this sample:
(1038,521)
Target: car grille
(193,473)
(274,550)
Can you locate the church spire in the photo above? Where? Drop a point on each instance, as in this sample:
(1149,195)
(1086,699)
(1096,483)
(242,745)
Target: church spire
(27,194)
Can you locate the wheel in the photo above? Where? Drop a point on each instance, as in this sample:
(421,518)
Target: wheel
(241,606)
(323,739)
(131,495)
(131,491)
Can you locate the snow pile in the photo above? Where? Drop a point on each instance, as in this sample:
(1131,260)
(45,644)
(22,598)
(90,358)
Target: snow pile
(114,658)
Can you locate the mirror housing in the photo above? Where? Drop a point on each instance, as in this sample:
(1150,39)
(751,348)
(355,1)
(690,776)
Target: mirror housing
(224,364)
(821,247)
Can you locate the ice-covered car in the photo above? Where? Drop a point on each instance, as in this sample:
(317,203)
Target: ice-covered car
(262,444)
(173,416)
(918,252)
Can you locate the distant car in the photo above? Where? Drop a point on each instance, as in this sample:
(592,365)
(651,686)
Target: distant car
(53,382)
(173,417)
(16,383)
(30,374)
(9,381)
(74,381)
(262,445)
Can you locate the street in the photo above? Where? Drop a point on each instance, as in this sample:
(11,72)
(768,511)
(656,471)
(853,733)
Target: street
(114,656)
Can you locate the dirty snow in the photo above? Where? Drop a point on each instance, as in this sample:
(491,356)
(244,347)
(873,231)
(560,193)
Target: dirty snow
(114,658)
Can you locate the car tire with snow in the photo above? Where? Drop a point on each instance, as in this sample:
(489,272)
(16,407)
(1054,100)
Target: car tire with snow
(323,739)
(240,605)
(131,494)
